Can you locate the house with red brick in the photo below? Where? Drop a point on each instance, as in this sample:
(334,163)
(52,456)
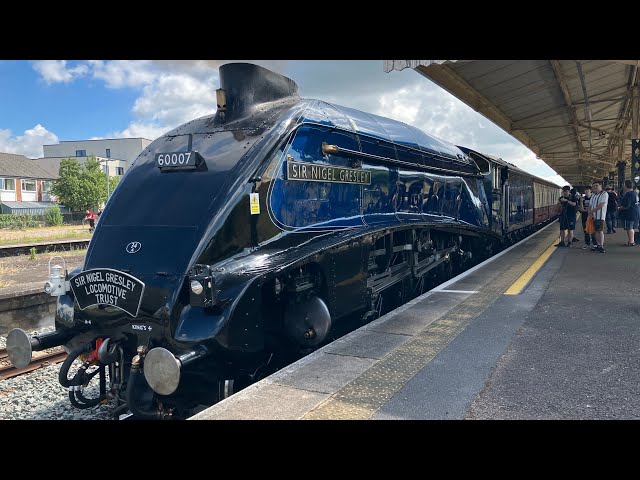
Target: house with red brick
(24,185)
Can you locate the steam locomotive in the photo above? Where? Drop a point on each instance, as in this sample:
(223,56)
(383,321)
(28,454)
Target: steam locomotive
(258,230)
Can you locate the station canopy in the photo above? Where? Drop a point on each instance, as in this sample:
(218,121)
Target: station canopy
(578,116)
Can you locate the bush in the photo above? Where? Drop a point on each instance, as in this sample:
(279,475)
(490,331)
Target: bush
(53,217)
(8,220)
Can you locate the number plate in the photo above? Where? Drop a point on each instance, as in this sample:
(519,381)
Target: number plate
(178,160)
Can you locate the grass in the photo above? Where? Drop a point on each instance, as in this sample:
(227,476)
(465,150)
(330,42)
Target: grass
(74,252)
(42,239)
(68,253)
(6,270)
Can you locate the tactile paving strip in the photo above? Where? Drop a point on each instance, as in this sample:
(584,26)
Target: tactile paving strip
(363,396)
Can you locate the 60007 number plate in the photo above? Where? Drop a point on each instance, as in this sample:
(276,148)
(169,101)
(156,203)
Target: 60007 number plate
(178,160)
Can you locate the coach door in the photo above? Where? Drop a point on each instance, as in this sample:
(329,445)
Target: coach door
(497,205)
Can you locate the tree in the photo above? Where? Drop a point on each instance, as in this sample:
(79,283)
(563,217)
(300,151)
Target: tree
(53,217)
(113,183)
(82,187)
(67,187)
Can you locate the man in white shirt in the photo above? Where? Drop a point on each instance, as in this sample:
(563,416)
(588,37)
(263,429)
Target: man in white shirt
(598,210)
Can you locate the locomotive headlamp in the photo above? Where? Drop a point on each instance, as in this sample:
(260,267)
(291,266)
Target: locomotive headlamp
(201,286)
(58,284)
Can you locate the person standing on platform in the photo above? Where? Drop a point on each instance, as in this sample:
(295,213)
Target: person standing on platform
(612,210)
(567,215)
(598,210)
(584,213)
(578,199)
(629,212)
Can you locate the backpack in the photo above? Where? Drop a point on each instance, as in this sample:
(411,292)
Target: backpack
(612,204)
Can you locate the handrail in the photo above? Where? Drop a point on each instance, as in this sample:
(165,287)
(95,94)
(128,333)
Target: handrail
(336,150)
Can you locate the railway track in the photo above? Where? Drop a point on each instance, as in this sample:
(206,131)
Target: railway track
(47,357)
(50,247)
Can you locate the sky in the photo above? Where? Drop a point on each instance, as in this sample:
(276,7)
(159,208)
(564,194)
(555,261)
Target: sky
(47,101)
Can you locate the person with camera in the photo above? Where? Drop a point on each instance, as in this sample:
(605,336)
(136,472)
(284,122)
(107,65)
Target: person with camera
(569,204)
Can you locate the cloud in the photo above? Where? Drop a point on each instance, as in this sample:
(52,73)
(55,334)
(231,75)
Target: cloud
(171,99)
(557,179)
(437,112)
(29,144)
(55,71)
(147,130)
(173,92)
(122,73)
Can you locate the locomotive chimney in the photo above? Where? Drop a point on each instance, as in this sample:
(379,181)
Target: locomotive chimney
(244,85)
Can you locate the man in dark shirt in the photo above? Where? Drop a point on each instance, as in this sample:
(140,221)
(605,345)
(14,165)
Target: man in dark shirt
(612,210)
(629,212)
(569,204)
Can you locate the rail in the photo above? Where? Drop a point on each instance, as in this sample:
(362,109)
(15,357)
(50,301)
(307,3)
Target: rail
(45,247)
(47,357)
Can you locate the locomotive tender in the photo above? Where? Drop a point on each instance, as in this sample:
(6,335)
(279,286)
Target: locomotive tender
(258,230)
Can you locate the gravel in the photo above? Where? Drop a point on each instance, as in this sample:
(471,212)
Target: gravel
(39,396)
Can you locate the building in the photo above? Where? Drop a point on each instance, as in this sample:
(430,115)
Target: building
(126,149)
(116,154)
(23,185)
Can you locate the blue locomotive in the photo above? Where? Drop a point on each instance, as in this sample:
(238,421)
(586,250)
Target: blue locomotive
(259,230)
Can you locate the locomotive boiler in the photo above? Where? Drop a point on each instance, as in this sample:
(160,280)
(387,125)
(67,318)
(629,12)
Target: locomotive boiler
(256,232)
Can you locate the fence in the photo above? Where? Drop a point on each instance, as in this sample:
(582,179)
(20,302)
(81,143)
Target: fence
(23,220)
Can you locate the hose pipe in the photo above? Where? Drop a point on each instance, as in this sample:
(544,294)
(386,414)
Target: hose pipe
(135,377)
(66,365)
(81,379)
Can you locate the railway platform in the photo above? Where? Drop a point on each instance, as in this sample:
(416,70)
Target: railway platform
(535,332)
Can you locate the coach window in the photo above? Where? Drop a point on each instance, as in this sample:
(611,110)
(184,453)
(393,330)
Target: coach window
(482,163)
(496,177)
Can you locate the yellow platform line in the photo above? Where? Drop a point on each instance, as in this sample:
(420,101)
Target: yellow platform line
(518,286)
